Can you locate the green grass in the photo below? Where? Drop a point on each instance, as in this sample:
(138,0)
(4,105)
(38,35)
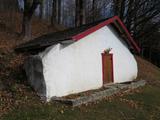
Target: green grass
(148,108)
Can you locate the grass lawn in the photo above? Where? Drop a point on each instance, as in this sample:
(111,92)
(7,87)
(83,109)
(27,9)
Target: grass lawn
(141,105)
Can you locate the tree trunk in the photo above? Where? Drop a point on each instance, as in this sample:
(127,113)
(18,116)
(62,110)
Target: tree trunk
(116,7)
(26,27)
(53,17)
(41,11)
(59,11)
(93,10)
(80,13)
(122,9)
(27,16)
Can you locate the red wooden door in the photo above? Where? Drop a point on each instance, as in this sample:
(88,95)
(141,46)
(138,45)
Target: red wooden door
(107,62)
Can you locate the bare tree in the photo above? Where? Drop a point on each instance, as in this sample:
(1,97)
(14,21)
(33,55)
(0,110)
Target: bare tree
(54,11)
(80,13)
(136,13)
(142,18)
(29,8)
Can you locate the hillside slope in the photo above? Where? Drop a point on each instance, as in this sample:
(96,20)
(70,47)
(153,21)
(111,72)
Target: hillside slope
(14,90)
(148,71)
(13,84)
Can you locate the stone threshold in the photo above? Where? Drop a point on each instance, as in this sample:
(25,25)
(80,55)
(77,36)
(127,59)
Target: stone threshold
(107,91)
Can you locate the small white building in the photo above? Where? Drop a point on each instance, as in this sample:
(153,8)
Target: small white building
(81,59)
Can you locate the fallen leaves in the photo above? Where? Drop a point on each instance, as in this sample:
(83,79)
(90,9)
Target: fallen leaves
(16,93)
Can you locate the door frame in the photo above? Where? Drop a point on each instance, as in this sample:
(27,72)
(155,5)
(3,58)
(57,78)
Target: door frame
(112,68)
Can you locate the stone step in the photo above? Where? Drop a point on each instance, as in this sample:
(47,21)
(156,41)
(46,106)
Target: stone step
(108,90)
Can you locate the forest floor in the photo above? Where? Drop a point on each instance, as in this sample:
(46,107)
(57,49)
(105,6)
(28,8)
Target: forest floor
(19,102)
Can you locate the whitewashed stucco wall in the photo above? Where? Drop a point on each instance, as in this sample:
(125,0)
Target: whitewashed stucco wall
(78,66)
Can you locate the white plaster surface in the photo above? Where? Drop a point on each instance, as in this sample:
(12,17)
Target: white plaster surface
(78,66)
